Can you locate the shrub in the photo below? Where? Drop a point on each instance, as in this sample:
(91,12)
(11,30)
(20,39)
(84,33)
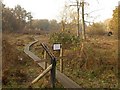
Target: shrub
(65,38)
(96,29)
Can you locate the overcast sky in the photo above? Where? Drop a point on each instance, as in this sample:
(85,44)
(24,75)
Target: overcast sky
(50,9)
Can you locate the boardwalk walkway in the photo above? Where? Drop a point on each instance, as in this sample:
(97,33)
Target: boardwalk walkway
(64,80)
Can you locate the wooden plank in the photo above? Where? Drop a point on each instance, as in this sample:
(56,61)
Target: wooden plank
(65,81)
(41,75)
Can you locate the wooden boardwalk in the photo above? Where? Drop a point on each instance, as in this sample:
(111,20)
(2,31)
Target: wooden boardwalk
(63,79)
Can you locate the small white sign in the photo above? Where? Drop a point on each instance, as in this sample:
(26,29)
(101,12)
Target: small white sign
(56,46)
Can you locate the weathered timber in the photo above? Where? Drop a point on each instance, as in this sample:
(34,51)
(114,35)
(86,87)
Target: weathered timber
(41,75)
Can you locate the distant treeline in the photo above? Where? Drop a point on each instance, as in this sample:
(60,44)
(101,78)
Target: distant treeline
(44,24)
(17,19)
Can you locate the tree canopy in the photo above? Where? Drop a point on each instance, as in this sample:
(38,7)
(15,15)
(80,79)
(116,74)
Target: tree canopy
(45,25)
(114,23)
(15,19)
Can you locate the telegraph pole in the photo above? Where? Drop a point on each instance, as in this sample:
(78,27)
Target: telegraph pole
(78,24)
(78,9)
(83,21)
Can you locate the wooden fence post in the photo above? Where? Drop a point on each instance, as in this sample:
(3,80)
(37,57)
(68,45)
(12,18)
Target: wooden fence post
(53,72)
(61,60)
(45,56)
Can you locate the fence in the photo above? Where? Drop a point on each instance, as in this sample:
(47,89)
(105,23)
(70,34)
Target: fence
(51,67)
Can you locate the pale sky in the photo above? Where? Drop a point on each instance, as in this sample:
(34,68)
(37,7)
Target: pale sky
(50,9)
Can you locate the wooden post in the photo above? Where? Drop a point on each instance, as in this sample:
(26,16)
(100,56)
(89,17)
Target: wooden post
(45,56)
(53,72)
(78,9)
(83,22)
(61,60)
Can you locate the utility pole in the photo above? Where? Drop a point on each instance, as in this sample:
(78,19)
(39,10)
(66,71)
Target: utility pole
(63,25)
(78,24)
(78,9)
(83,21)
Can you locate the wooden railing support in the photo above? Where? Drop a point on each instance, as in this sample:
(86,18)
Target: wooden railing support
(45,55)
(53,72)
(53,62)
(41,75)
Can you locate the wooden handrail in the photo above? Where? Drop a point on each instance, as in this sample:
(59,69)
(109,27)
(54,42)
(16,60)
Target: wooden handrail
(47,50)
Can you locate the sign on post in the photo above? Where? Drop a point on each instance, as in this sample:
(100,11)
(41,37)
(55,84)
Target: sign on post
(56,46)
